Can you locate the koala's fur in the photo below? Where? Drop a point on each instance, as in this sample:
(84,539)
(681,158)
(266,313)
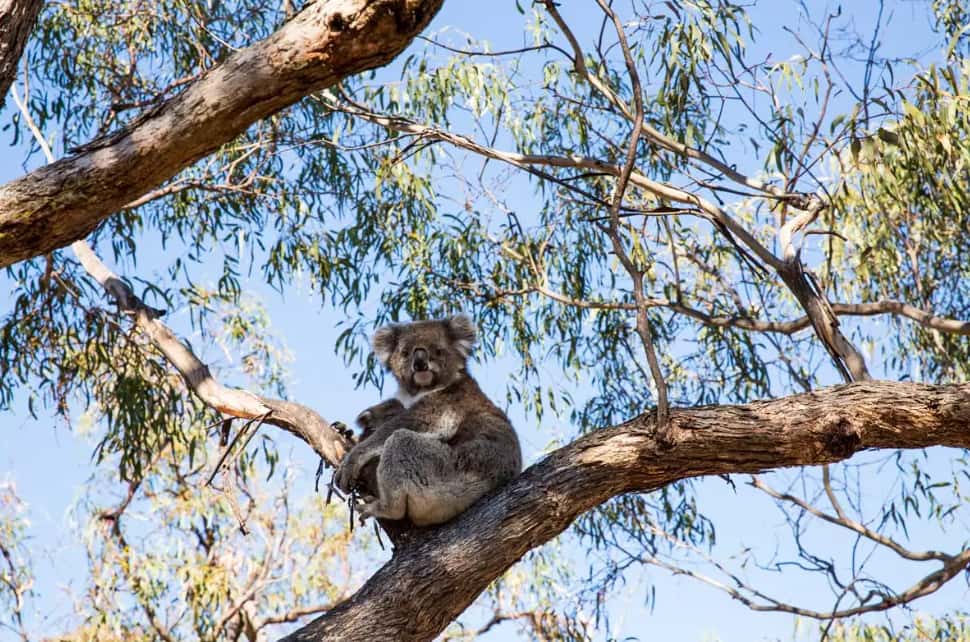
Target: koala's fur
(370,419)
(442,443)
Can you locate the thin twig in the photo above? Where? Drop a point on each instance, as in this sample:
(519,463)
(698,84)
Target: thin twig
(643,321)
(242,431)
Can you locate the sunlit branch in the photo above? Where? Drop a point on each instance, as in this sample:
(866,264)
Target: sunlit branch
(294,418)
(845,356)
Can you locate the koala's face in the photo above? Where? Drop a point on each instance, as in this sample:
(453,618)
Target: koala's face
(425,355)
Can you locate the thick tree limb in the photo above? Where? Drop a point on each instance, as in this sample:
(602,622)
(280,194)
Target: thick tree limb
(17,19)
(432,579)
(326,42)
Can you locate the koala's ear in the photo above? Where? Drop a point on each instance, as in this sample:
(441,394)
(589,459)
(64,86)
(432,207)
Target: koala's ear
(384,342)
(463,332)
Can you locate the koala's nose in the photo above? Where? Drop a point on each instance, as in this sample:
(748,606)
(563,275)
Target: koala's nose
(420,359)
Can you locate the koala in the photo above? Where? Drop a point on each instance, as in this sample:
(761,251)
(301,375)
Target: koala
(441,444)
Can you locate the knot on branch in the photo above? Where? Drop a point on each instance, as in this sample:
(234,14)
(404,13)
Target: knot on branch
(841,437)
(667,435)
(336,23)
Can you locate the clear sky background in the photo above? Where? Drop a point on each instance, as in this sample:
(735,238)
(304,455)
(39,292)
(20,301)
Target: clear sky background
(49,463)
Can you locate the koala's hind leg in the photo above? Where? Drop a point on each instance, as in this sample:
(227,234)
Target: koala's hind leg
(438,503)
(418,479)
(409,461)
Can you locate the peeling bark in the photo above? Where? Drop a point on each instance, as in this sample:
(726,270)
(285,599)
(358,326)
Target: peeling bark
(323,44)
(432,578)
(17,19)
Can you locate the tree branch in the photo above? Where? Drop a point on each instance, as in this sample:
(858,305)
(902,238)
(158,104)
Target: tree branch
(654,135)
(529,161)
(292,417)
(432,579)
(326,42)
(846,358)
(17,19)
(234,402)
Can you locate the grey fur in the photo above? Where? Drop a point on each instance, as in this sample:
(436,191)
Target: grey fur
(446,444)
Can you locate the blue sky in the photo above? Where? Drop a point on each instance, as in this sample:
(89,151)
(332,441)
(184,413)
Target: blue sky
(49,463)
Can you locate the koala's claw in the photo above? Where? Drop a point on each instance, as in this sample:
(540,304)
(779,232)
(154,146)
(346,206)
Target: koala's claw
(343,429)
(369,508)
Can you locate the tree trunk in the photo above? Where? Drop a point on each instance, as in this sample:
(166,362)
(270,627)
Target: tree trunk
(323,44)
(433,577)
(17,18)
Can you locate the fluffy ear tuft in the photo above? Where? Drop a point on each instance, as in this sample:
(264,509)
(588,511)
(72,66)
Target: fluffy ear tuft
(463,332)
(384,342)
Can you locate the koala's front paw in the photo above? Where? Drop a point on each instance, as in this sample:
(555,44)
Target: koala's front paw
(371,508)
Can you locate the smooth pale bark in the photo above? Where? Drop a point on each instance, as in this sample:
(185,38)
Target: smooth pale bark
(296,419)
(323,44)
(436,574)
(17,19)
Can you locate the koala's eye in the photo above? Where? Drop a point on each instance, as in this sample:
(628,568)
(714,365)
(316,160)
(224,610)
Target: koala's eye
(438,352)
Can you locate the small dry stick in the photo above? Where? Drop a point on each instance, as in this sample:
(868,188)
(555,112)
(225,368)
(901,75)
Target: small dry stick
(377,532)
(222,459)
(316,480)
(234,505)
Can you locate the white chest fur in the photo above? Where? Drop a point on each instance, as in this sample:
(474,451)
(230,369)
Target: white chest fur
(445,424)
(407,399)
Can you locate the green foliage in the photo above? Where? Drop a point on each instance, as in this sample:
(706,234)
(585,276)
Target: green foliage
(923,629)
(16,579)
(914,173)
(464,180)
(190,571)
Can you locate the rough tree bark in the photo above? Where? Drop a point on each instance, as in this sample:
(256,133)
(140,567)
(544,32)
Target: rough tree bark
(432,578)
(326,42)
(17,19)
